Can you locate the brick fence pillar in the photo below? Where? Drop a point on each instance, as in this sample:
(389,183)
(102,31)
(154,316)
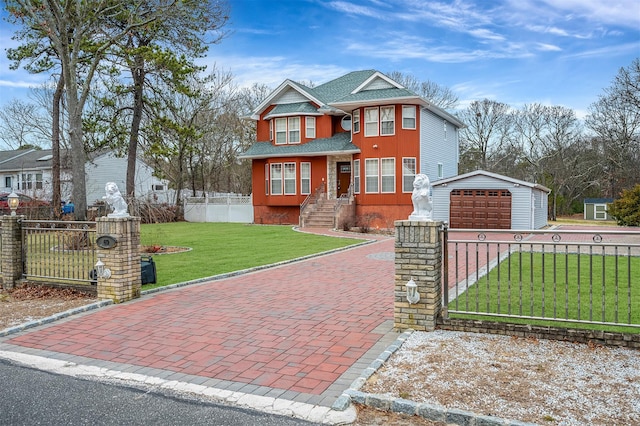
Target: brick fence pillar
(418,256)
(11,251)
(123,259)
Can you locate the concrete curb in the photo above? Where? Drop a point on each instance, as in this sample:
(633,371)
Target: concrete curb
(403,406)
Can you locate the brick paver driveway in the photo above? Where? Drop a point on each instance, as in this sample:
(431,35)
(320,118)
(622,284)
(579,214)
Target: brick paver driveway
(301,331)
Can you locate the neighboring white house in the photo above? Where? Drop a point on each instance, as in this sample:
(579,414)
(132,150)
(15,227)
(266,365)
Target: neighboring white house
(29,171)
(485,200)
(106,167)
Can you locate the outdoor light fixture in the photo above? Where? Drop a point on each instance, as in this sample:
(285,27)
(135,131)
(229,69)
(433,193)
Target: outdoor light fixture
(101,271)
(14,201)
(412,292)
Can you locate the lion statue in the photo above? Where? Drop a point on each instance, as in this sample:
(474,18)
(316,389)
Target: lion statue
(422,207)
(115,200)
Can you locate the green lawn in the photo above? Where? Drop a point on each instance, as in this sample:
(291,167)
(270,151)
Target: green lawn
(568,289)
(225,247)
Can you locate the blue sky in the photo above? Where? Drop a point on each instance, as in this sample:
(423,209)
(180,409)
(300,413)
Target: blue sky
(556,52)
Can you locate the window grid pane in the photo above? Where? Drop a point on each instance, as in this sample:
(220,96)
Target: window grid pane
(408,174)
(294,129)
(388,175)
(289,178)
(371,175)
(356,176)
(276,179)
(371,122)
(408,117)
(356,121)
(305,178)
(281,130)
(387,120)
(311,127)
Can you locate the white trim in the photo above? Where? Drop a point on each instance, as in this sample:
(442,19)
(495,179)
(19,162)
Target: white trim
(302,178)
(375,76)
(307,132)
(382,176)
(415,171)
(285,179)
(393,119)
(415,116)
(356,174)
(366,176)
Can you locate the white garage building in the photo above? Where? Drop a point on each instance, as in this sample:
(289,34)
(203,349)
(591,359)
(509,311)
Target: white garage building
(485,200)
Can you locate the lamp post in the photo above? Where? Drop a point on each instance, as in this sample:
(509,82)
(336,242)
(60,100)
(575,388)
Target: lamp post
(13,201)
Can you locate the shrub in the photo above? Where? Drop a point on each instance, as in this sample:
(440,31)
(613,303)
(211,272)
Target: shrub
(626,209)
(365,221)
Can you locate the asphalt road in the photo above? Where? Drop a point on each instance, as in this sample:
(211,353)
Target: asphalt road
(34,397)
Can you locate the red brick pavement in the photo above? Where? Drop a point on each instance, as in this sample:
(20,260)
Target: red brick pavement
(296,327)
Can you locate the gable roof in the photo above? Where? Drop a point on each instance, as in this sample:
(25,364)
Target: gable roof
(344,94)
(340,143)
(25,159)
(491,175)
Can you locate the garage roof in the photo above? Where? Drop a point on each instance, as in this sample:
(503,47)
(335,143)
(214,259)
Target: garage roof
(492,175)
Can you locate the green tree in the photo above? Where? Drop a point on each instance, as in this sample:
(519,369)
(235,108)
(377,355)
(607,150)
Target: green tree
(626,209)
(78,33)
(159,56)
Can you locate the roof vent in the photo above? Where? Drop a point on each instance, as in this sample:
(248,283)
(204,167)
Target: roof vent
(45,158)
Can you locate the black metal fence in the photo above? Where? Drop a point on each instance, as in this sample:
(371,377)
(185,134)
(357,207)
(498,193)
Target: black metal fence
(59,251)
(553,275)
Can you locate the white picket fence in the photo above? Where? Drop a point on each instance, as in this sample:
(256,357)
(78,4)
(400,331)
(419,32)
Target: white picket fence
(225,208)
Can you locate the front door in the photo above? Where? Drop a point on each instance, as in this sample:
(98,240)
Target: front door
(343,173)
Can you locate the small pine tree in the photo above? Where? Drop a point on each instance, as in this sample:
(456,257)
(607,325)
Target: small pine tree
(626,209)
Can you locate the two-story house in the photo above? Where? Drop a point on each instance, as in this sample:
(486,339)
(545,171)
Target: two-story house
(362,136)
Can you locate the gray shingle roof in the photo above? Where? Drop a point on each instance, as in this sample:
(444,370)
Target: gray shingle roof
(339,143)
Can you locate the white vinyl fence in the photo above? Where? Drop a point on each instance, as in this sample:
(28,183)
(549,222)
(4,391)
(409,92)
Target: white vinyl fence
(225,208)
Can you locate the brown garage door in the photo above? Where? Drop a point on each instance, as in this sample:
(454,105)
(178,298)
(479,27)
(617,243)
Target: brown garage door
(480,209)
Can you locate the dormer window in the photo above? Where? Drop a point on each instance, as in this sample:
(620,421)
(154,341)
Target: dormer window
(287,130)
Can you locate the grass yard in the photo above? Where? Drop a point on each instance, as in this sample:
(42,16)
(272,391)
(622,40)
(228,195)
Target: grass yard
(562,286)
(225,247)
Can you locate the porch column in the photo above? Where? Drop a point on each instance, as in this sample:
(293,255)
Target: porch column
(11,251)
(418,257)
(123,259)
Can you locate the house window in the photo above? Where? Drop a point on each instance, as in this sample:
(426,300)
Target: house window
(388,175)
(7,182)
(294,130)
(440,170)
(305,178)
(276,179)
(387,120)
(371,175)
(157,187)
(371,122)
(26,181)
(356,121)
(281,131)
(289,178)
(408,117)
(266,179)
(310,127)
(270,130)
(356,176)
(408,174)
(445,129)
(39,184)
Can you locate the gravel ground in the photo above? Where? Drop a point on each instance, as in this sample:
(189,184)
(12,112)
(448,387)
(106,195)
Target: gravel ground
(540,381)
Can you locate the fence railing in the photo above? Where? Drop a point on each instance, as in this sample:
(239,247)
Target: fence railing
(552,275)
(59,251)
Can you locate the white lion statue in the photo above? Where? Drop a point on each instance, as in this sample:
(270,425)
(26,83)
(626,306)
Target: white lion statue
(422,207)
(115,200)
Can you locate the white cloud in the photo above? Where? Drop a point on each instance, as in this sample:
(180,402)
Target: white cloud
(548,47)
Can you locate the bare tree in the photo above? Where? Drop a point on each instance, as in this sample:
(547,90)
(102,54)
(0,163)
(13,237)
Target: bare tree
(438,95)
(489,127)
(19,125)
(615,120)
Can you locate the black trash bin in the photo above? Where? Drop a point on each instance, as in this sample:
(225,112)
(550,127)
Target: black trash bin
(148,270)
